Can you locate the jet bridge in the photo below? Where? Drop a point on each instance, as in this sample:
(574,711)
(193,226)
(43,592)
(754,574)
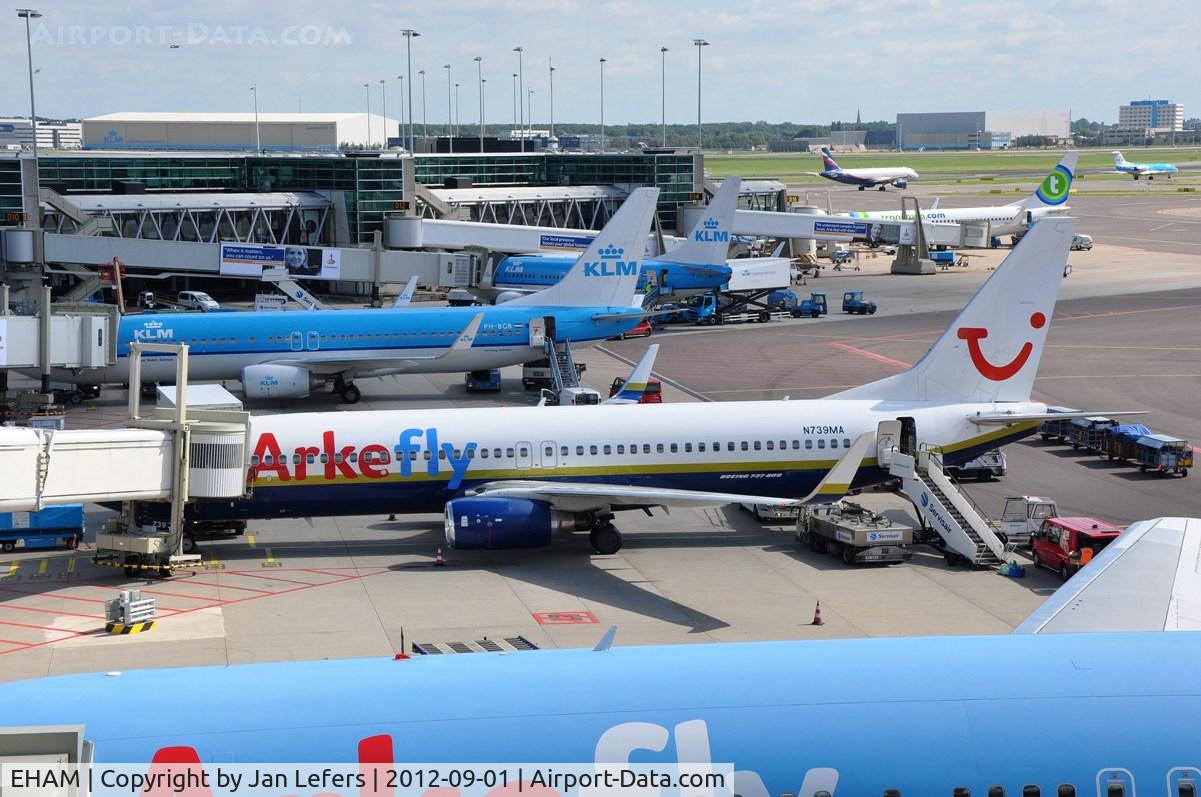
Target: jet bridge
(169,455)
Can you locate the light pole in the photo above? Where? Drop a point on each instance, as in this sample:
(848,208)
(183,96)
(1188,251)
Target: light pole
(700,44)
(28,14)
(483,121)
(409,35)
(529,113)
(450,117)
(400,132)
(515,130)
(663,93)
(258,142)
(457,117)
(424,132)
(520,92)
(602,98)
(552,100)
(479,67)
(383,92)
(368,87)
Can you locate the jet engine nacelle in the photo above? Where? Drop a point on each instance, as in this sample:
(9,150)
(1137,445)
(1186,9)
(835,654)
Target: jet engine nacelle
(902,183)
(502,523)
(507,296)
(277,381)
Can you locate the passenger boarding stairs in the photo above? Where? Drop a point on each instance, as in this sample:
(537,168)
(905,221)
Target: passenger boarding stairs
(562,365)
(946,510)
(651,297)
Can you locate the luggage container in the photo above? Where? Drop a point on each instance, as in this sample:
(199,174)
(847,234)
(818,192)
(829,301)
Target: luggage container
(1164,454)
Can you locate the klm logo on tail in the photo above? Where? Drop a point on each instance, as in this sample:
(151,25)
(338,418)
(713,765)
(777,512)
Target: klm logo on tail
(1055,186)
(710,233)
(611,264)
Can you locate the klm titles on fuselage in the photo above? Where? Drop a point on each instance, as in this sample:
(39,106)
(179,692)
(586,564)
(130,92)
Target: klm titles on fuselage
(610,264)
(153,331)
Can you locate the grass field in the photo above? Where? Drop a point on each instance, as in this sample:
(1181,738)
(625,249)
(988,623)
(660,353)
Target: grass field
(932,165)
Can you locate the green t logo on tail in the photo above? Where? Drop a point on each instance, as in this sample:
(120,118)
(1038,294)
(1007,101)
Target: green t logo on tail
(1055,186)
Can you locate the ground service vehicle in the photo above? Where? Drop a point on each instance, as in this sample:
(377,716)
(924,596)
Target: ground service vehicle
(1087,433)
(197,300)
(1066,544)
(44,529)
(1119,442)
(75,394)
(1022,516)
(852,533)
(812,307)
(711,309)
(573,396)
(987,466)
(853,302)
(1081,242)
(652,395)
(762,512)
(1056,429)
(1164,453)
(536,374)
(482,381)
(643,330)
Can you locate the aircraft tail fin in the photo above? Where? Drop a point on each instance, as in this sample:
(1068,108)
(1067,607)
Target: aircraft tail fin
(634,386)
(708,242)
(606,275)
(1054,189)
(828,162)
(991,351)
(1118,158)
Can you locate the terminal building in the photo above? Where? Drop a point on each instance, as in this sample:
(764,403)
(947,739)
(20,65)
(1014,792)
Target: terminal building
(18,133)
(979,129)
(293,132)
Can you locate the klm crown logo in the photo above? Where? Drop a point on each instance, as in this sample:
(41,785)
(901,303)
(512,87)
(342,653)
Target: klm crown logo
(710,233)
(610,264)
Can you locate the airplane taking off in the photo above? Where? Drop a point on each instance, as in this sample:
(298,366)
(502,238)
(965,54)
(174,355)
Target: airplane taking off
(512,477)
(1047,200)
(1137,170)
(698,265)
(879,178)
(1111,655)
(286,355)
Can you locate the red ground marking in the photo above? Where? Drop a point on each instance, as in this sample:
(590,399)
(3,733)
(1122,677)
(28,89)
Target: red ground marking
(565,618)
(13,606)
(871,355)
(42,628)
(274,578)
(57,597)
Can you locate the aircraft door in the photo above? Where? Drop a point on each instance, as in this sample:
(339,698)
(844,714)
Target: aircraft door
(550,458)
(525,456)
(1115,782)
(888,438)
(537,333)
(314,340)
(908,436)
(296,339)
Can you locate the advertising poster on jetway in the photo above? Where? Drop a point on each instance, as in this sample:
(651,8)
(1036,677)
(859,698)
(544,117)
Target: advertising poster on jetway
(249,260)
(560,241)
(311,263)
(3,342)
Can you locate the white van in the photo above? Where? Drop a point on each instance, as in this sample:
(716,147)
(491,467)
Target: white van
(197,300)
(1081,242)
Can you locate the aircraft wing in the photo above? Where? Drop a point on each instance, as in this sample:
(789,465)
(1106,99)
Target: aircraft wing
(586,496)
(1148,579)
(1006,418)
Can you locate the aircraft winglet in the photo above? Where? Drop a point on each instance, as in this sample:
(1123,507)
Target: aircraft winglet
(406,296)
(837,482)
(634,386)
(606,641)
(467,336)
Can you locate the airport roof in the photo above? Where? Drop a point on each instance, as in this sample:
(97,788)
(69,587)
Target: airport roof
(240,117)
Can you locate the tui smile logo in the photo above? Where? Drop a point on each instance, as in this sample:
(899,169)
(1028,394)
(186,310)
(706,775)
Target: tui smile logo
(611,264)
(998,373)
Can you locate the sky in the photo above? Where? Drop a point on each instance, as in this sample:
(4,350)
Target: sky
(807,61)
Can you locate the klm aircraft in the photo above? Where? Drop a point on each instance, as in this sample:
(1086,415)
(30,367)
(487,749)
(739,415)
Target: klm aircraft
(1137,170)
(696,266)
(879,178)
(286,355)
(1093,695)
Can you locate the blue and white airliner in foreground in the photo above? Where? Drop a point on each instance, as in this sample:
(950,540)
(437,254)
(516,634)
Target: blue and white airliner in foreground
(1047,200)
(1137,170)
(286,355)
(1096,693)
(698,265)
(879,177)
(513,477)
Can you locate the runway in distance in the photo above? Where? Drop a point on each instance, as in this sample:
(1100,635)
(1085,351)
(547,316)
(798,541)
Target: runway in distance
(1137,170)
(289,354)
(879,177)
(1115,645)
(697,265)
(1047,200)
(514,477)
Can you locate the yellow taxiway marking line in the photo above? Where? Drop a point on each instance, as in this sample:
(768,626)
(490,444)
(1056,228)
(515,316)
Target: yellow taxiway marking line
(250,538)
(13,567)
(43,566)
(71,565)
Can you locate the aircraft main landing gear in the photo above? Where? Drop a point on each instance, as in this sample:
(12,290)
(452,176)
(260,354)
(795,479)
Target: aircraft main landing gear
(605,537)
(348,391)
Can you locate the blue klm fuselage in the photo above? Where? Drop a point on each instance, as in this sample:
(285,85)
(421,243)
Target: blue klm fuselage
(852,717)
(541,271)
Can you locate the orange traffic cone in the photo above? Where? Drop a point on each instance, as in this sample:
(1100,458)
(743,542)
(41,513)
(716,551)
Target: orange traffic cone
(439,562)
(817,615)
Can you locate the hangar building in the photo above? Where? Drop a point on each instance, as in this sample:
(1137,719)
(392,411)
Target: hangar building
(303,132)
(983,129)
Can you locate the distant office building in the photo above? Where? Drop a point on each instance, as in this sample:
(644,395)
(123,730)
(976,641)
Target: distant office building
(51,135)
(839,140)
(303,132)
(1151,115)
(983,129)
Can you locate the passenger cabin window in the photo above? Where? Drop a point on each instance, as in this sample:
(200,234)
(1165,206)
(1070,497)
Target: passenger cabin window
(608,450)
(1066,790)
(646,448)
(674,448)
(621,449)
(579,451)
(496,453)
(563,450)
(821,443)
(1030,790)
(846,442)
(771,445)
(834,443)
(996,791)
(592,450)
(658,448)
(483,453)
(758,445)
(745,446)
(687,448)
(509,453)
(523,451)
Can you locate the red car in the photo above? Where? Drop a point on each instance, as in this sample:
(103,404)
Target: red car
(643,330)
(652,395)
(1066,544)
